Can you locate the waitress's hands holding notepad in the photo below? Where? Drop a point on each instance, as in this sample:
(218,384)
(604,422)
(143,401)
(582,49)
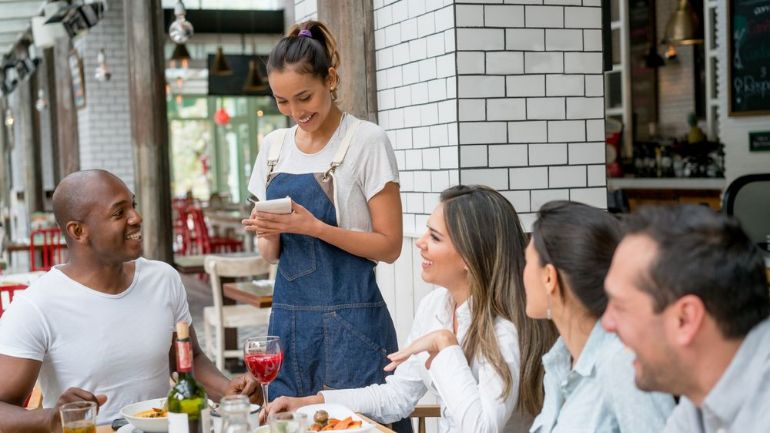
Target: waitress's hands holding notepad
(271,217)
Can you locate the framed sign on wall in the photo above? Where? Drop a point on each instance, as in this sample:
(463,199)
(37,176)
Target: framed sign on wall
(748,60)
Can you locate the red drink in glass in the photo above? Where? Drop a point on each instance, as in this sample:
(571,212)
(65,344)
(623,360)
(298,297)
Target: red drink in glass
(264,366)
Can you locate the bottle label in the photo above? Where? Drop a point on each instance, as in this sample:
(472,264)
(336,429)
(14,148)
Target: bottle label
(183,356)
(177,423)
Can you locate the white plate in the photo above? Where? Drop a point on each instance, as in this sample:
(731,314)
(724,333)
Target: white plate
(128,428)
(335,411)
(150,425)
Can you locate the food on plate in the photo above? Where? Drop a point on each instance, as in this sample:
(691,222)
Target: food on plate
(322,422)
(155,412)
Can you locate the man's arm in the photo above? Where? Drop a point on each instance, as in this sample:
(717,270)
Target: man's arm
(14,389)
(215,383)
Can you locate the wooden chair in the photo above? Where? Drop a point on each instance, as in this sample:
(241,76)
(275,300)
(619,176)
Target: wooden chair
(50,248)
(6,295)
(218,317)
(422,411)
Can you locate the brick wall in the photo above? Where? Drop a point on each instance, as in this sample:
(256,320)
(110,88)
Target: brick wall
(508,95)
(417,99)
(104,123)
(676,91)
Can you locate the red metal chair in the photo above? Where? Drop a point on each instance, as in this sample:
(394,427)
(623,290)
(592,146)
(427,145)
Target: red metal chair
(6,295)
(206,244)
(50,248)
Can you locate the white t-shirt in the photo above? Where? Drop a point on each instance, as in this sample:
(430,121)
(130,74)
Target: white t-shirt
(116,345)
(368,166)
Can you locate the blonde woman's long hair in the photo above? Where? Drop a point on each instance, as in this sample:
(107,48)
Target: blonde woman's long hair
(486,232)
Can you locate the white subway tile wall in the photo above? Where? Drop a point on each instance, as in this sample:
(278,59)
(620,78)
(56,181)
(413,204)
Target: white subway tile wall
(507,93)
(104,124)
(552,103)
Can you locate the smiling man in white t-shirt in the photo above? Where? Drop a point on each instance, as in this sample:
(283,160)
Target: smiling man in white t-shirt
(100,326)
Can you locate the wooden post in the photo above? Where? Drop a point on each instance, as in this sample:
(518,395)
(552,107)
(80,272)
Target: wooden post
(66,148)
(352,23)
(29,125)
(149,124)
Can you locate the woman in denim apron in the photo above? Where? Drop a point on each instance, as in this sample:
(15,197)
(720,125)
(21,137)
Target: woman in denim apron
(327,308)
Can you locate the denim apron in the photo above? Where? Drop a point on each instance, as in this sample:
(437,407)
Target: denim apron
(327,308)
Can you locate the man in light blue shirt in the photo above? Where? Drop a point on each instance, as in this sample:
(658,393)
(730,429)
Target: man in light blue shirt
(688,295)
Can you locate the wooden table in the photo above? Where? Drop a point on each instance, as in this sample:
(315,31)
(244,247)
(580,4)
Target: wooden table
(193,264)
(378,427)
(247,292)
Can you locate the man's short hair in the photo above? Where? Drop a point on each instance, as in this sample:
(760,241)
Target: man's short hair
(706,254)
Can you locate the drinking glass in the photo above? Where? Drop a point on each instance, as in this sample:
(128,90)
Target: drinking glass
(78,417)
(263,357)
(287,422)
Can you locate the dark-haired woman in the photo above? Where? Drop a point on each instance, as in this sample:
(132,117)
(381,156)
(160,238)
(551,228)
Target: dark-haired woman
(471,344)
(341,175)
(589,375)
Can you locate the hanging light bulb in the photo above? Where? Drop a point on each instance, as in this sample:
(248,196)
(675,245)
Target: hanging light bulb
(178,99)
(671,52)
(9,120)
(180,30)
(102,70)
(220,66)
(41,103)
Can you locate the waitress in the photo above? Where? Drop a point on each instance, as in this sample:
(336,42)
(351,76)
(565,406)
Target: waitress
(341,175)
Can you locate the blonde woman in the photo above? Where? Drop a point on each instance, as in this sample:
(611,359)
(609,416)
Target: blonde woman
(471,343)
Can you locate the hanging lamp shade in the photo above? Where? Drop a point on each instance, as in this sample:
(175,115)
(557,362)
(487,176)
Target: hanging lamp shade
(254,81)
(221,117)
(220,66)
(180,57)
(653,59)
(682,27)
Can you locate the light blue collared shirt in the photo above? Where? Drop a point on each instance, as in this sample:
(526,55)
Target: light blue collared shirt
(740,401)
(599,394)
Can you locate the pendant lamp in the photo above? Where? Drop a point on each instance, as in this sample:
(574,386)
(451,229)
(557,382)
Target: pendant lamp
(220,66)
(180,57)
(682,27)
(254,81)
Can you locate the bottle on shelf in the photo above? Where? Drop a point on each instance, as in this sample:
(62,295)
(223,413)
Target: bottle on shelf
(187,409)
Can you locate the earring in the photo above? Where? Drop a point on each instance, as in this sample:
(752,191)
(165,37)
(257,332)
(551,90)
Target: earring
(548,309)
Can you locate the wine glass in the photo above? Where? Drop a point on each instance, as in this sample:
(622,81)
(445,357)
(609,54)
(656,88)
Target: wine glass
(263,357)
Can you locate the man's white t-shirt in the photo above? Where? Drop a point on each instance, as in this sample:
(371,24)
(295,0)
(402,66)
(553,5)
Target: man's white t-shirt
(368,166)
(116,345)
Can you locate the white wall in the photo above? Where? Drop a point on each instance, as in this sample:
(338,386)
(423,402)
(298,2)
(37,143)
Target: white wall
(734,131)
(104,124)
(305,10)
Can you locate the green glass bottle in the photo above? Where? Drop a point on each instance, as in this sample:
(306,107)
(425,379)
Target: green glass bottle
(187,398)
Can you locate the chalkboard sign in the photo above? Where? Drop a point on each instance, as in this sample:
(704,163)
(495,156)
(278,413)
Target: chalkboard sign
(749,57)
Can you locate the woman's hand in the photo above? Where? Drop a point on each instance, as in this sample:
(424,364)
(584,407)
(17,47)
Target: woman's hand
(433,343)
(300,221)
(288,404)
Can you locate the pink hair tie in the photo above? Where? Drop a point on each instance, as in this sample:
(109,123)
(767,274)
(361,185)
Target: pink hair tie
(305,33)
